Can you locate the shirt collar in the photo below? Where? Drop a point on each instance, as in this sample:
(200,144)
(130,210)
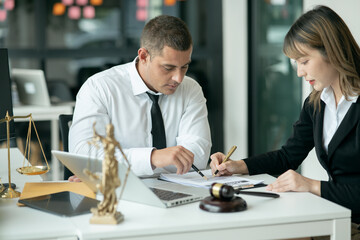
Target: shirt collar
(353,99)
(327,95)
(137,83)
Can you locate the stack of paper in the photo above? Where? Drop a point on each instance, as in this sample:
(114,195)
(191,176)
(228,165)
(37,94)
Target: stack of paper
(194,179)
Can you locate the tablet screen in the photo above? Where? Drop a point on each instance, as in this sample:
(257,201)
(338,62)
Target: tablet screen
(62,203)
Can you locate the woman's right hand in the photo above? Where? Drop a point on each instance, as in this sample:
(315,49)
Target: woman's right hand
(227,168)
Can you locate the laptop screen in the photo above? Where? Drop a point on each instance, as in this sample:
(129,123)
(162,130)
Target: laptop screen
(149,191)
(31,86)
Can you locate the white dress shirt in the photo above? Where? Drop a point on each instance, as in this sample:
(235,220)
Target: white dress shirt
(333,115)
(118,95)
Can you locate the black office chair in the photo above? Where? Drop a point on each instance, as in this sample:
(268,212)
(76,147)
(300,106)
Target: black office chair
(65,121)
(59,91)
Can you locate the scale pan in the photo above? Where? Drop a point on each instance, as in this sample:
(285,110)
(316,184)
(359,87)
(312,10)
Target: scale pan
(33,170)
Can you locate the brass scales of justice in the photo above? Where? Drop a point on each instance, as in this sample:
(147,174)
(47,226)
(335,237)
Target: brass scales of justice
(26,170)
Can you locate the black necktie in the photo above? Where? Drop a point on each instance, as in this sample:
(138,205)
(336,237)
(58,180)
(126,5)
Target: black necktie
(158,130)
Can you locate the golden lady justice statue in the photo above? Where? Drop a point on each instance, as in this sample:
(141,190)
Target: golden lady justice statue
(106,211)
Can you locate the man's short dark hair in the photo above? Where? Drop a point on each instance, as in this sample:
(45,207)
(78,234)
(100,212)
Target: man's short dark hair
(165,31)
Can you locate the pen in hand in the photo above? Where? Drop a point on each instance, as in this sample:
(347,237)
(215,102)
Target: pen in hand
(226,157)
(199,172)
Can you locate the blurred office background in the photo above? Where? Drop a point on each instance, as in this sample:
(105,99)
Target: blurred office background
(253,94)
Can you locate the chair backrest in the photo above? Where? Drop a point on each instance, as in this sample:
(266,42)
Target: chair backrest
(65,121)
(59,91)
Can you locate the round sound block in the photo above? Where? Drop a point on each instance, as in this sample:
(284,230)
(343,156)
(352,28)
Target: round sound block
(212,204)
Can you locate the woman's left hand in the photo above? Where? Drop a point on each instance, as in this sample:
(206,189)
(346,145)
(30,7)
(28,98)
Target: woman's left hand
(293,181)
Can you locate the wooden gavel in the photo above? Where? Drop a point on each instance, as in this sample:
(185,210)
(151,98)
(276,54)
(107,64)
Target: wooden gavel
(227,193)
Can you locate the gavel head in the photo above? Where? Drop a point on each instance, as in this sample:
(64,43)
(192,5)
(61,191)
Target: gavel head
(222,191)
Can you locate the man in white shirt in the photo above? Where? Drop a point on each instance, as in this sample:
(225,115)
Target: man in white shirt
(120,95)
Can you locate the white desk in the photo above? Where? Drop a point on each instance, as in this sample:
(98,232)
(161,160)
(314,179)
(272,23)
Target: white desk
(292,215)
(51,113)
(23,222)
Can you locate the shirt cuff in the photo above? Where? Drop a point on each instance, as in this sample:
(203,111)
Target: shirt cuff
(141,161)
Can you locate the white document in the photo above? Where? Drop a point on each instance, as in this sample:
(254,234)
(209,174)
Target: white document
(194,179)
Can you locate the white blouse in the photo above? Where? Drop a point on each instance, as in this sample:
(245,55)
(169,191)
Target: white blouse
(333,115)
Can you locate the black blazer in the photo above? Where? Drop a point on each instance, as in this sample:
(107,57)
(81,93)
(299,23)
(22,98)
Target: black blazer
(342,162)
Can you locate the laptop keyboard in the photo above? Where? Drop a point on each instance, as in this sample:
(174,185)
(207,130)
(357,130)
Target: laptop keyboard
(168,195)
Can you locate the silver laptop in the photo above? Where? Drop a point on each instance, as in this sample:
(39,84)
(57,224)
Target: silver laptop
(31,86)
(150,191)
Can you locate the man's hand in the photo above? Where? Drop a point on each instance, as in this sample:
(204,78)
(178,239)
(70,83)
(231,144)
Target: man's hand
(293,181)
(227,168)
(74,178)
(178,156)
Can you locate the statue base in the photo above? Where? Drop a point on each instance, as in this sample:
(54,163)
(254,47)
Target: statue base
(9,193)
(107,219)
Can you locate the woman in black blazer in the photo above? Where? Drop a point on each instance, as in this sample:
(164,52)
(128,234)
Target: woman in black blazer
(327,56)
